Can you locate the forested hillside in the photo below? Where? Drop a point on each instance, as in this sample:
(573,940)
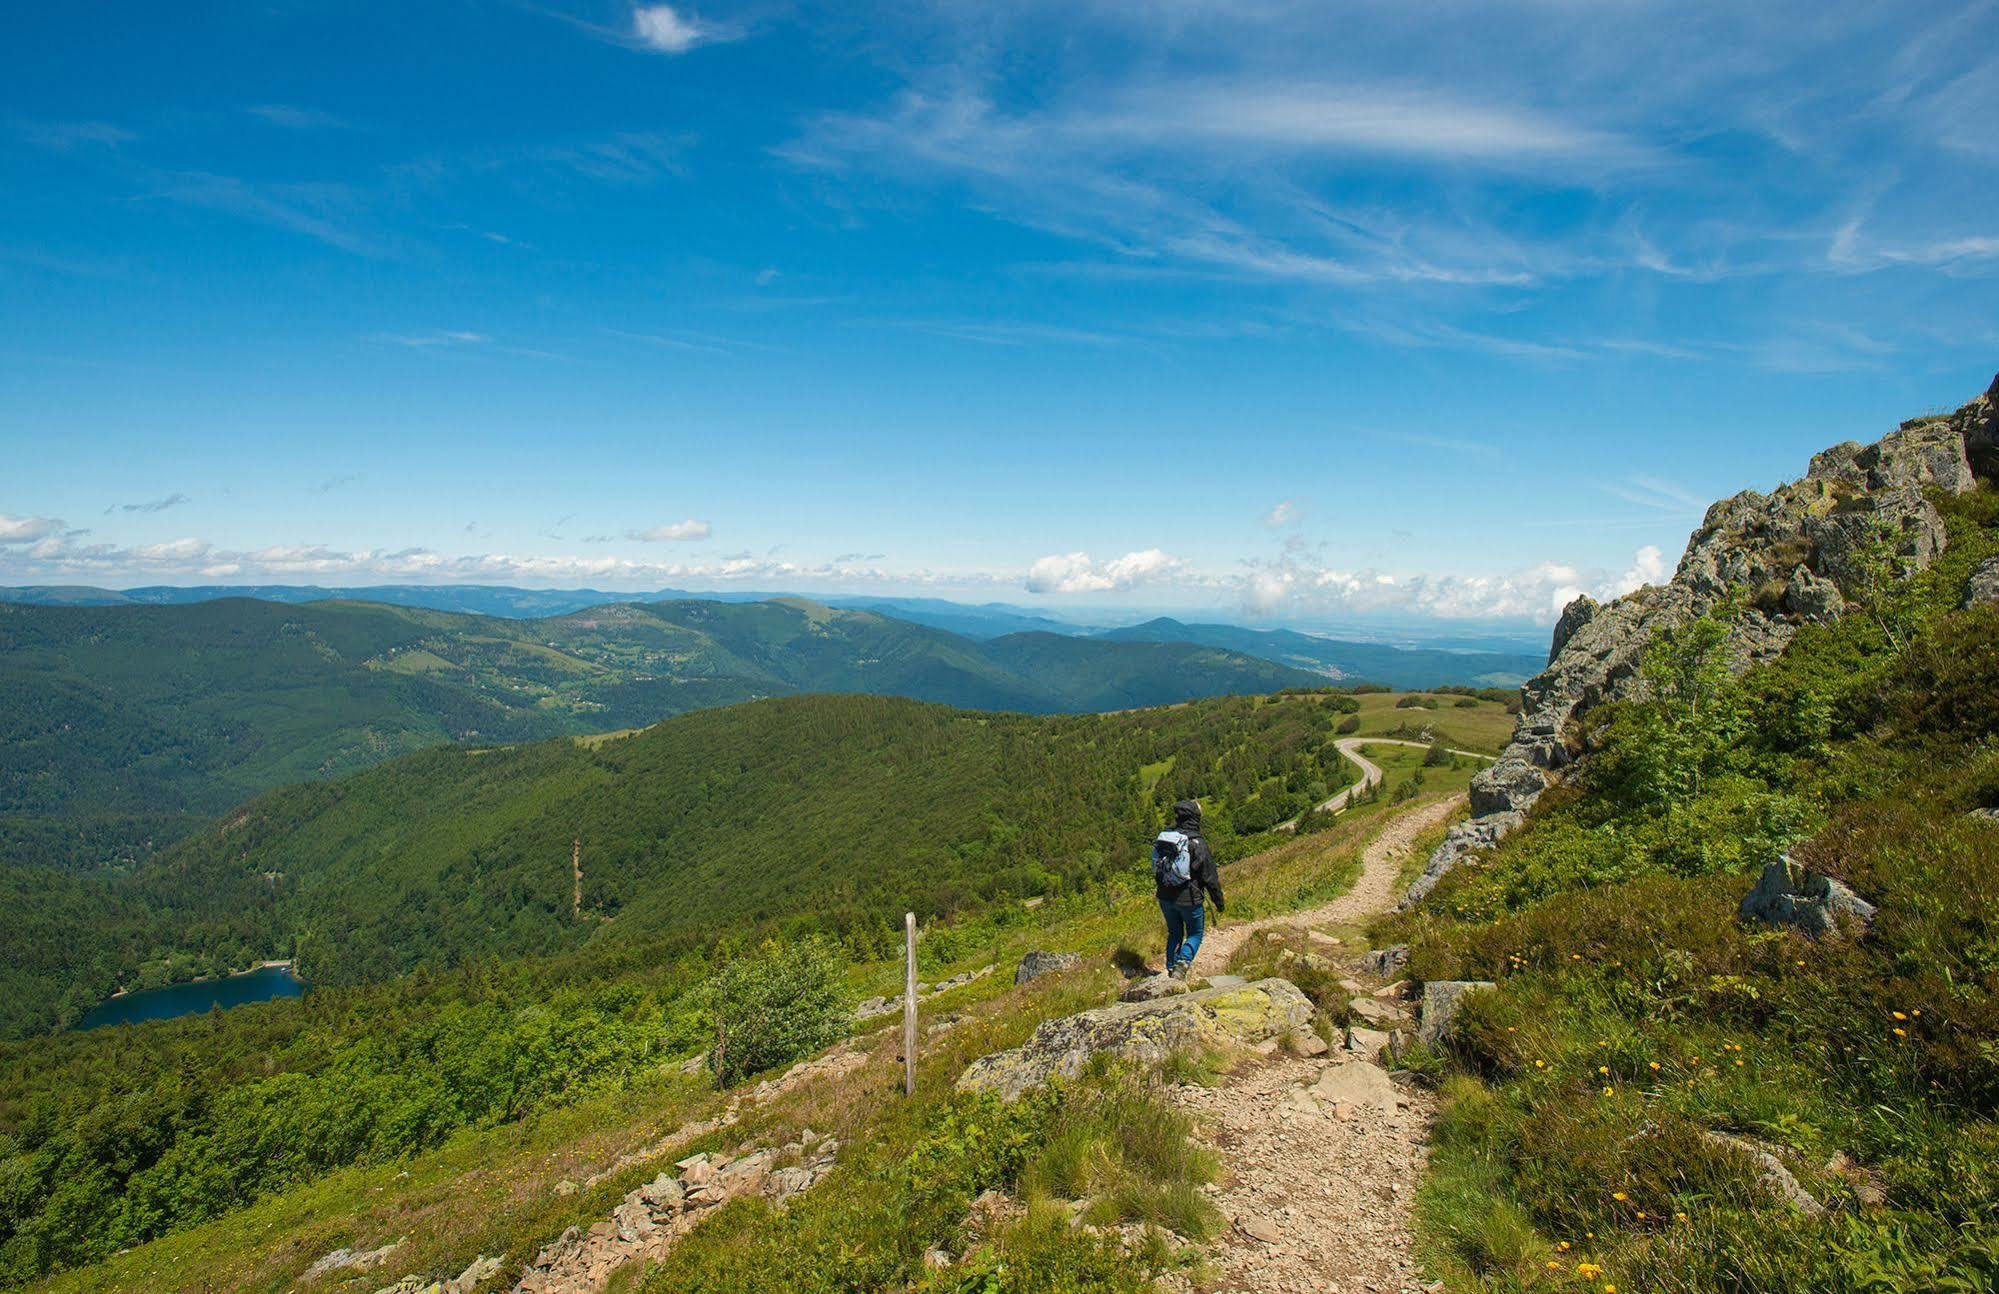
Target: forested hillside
(822,813)
(123,728)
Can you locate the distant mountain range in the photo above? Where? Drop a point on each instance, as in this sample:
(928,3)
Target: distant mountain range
(121,727)
(988,620)
(1475,660)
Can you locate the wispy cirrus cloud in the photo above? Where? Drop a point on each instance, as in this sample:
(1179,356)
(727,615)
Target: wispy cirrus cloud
(150,505)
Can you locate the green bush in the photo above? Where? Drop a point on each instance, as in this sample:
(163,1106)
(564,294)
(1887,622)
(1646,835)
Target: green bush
(1350,724)
(772,1008)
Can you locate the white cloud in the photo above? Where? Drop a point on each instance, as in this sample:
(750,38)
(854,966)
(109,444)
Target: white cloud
(1648,566)
(687,531)
(151,505)
(1300,587)
(665,30)
(1287,513)
(26,530)
(1080,573)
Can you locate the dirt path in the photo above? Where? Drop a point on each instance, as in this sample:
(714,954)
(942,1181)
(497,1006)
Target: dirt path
(1374,891)
(1370,772)
(1322,1155)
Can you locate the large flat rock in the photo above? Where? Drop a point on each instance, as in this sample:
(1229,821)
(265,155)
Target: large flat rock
(1145,1032)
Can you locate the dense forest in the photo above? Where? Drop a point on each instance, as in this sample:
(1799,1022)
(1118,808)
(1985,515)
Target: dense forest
(808,817)
(124,728)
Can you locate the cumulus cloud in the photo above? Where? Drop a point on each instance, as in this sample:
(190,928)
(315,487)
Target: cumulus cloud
(26,530)
(1080,573)
(688,531)
(665,30)
(1297,585)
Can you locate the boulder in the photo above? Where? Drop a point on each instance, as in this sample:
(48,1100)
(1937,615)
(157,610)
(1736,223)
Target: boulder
(481,1270)
(1442,1000)
(1771,1170)
(1982,589)
(1375,1012)
(1790,895)
(1036,964)
(1223,981)
(1387,961)
(1356,1083)
(1152,988)
(1988,816)
(1144,1032)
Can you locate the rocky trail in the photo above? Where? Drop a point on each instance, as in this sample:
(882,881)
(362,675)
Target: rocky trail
(1322,1154)
(1374,891)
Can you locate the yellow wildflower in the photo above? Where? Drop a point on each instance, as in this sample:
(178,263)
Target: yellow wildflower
(1618,1195)
(1901,1033)
(1898,1015)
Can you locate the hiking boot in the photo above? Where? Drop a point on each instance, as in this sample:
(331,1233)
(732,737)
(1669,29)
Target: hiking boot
(1177,971)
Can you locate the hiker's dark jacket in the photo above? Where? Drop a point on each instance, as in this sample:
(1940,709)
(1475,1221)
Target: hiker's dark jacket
(1187,818)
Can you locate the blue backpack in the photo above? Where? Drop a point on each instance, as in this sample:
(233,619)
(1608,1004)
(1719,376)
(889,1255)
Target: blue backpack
(1173,859)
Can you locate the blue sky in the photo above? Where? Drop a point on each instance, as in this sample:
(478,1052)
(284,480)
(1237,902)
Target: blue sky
(1310,311)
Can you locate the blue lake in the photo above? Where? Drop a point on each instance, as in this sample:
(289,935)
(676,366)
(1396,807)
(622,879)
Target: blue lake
(260,985)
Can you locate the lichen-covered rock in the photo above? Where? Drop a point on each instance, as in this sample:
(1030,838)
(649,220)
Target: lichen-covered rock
(1036,964)
(1797,553)
(1152,988)
(1145,1032)
(1574,616)
(1811,596)
(1982,589)
(1442,999)
(1509,786)
(1813,902)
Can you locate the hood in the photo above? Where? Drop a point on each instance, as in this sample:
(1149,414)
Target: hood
(1187,815)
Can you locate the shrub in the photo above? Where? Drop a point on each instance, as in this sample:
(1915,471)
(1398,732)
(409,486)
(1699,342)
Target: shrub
(772,1008)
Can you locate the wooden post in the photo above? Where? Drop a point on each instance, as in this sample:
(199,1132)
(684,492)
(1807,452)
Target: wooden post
(909,1007)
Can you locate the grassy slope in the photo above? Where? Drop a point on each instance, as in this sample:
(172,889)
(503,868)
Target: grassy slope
(1636,1013)
(495,1191)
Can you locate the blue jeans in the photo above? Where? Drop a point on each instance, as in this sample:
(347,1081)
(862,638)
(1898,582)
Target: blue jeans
(1184,928)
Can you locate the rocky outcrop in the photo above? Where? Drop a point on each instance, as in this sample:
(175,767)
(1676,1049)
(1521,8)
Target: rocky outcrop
(1982,589)
(481,1270)
(1798,555)
(1789,895)
(1144,1032)
(1036,964)
(875,1007)
(346,1259)
(652,1218)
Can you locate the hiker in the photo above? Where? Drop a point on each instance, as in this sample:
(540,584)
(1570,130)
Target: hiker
(1183,867)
